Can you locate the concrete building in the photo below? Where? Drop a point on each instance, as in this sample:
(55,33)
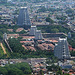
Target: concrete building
(23,18)
(38,35)
(61,51)
(4,36)
(32,30)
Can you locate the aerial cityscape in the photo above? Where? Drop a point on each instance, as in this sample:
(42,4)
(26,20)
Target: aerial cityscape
(37,37)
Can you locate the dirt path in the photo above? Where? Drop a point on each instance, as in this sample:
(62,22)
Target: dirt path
(3,48)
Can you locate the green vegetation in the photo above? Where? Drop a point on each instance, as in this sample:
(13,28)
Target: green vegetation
(53,68)
(59,72)
(16,69)
(56,69)
(59,28)
(16,12)
(20,52)
(33,54)
(15,45)
(54,29)
(72,53)
(49,20)
(72,43)
(61,18)
(1,52)
(3,29)
(72,40)
(69,10)
(51,60)
(41,72)
(43,9)
(7,51)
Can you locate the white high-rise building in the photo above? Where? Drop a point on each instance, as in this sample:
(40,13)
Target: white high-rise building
(61,51)
(32,30)
(38,35)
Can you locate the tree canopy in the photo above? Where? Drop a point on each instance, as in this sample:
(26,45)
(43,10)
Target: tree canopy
(16,69)
(49,20)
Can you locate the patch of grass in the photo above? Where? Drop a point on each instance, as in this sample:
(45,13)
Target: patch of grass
(8,52)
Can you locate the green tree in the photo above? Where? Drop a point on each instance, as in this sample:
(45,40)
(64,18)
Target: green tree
(49,20)
(15,71)
(15,45)
(3,71)
(22,32)
(55,30)
(72,53)
(41,72)
(59,72)
(53,68)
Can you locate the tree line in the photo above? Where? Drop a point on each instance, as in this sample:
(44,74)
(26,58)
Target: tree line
(16,69)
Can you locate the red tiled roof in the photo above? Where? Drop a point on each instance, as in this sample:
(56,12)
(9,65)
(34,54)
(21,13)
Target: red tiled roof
(13,35)
(38,65)
(44,46)
(25,41)
(24,47)
(70,48)
(28,37)
(19,29)
(53,40)
(39,40)
(11,30)
(29,48)
(71,73)
(44,69)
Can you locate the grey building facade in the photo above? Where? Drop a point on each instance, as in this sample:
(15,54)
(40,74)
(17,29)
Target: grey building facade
(33,30)
(23,18)
(38,35)
(61,51)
